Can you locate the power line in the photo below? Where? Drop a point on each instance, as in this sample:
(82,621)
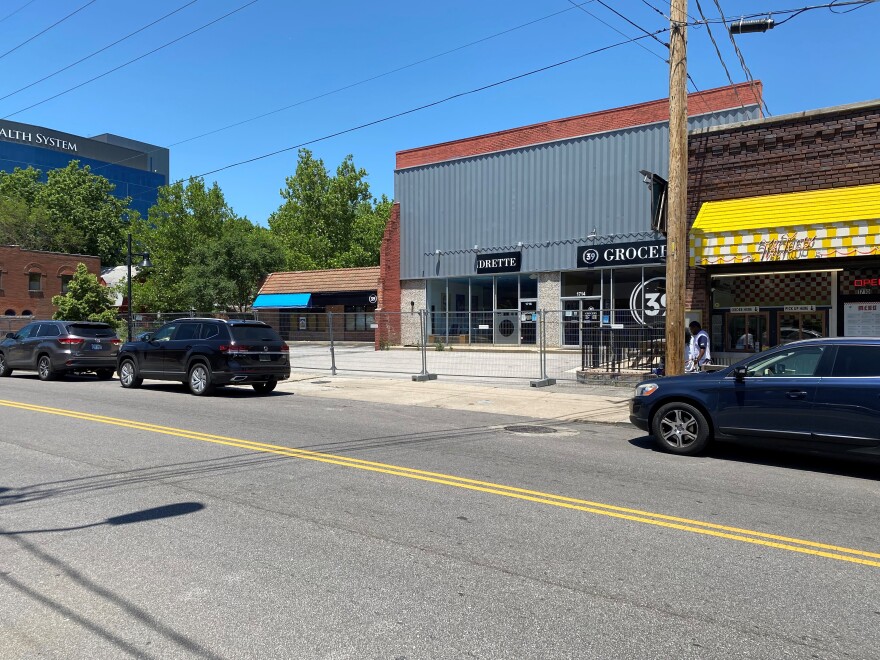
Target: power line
(30,2)
(662,59)
(718,51)
(59,22)
(378,76)
(140,57)
(742,60)
(80,61)
(419,108)
(355,84)
(641,45)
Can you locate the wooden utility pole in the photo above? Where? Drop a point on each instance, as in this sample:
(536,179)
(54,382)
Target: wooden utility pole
(676,220)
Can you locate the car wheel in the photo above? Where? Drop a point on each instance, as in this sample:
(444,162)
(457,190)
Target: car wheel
(128,375)
(265,388)
(681,429)
(4,367)
(200,379)
(44,368)
(104,374)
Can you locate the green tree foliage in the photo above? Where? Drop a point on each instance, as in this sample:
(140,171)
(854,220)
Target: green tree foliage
(204,256)
(329,221)
(73,211)
(86,300)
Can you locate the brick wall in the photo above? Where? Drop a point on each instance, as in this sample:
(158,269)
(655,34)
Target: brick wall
(711,100)
(16,266)
(389,282)
(832,148)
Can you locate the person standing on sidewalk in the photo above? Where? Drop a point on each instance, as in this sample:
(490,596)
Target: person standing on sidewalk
(701,353)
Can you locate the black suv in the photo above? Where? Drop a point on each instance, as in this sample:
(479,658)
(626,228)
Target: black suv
(55,348)
(203,353)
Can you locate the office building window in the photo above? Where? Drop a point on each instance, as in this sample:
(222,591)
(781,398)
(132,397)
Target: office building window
(35,282)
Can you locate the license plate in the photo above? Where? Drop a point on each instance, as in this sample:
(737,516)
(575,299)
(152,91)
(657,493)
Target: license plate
(264,358)
(97,347)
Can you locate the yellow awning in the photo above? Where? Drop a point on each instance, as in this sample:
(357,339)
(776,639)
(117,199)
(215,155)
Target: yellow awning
(817,224)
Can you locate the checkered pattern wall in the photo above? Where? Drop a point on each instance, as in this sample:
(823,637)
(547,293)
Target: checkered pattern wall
(781,289)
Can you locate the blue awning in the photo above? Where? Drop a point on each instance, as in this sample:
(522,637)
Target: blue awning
(269,300)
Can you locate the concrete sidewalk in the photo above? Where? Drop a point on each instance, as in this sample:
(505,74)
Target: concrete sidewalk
(583,403)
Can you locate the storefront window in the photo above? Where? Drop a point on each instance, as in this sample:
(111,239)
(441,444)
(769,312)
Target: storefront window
(528,286)
(747,333)
(507,292)
(582,284)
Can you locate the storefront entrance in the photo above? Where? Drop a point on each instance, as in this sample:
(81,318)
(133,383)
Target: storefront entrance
(580,320)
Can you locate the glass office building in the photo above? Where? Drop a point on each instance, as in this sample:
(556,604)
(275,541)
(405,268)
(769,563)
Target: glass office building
(137,169)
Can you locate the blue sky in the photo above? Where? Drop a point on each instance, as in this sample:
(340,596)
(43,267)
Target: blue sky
(276,53)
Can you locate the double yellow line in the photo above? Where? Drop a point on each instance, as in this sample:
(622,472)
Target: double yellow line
(623,513)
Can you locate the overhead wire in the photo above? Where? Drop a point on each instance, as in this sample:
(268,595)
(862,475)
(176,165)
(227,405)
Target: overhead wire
(42,32)
(30,2)
(742,61)
(718,52)
(132,61)
(100,50)
(639,27)
(355,84)
(417,108)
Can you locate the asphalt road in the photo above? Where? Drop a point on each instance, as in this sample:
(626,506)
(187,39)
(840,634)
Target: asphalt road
(158,525)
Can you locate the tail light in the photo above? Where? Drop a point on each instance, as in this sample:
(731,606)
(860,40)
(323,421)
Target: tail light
(70,341)
(116,342)
(285,348)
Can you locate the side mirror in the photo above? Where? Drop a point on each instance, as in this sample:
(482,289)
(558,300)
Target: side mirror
(145,336)
(10,335)
(739,374)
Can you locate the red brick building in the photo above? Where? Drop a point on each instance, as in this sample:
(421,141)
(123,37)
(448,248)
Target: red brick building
(29,279)
(785,227)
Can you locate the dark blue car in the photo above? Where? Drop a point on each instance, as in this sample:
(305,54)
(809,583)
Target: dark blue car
(818,395)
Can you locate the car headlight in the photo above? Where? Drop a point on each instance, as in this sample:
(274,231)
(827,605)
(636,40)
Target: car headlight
(646,389)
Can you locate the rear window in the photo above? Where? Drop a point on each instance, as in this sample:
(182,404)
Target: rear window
(254,333)
(91,330)
(857,362)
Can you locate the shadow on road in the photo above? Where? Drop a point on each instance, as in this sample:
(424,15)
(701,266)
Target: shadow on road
(836,465)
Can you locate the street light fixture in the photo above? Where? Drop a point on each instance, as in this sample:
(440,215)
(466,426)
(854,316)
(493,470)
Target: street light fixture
(146,263)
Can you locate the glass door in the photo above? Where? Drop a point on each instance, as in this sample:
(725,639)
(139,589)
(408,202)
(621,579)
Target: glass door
(581,319)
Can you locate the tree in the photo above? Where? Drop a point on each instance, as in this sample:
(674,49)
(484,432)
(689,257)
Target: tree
(329,221)
(226,273)
(205,257)
(72,211)
(86,300)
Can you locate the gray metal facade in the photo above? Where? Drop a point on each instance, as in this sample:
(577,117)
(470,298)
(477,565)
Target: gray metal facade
(549,197)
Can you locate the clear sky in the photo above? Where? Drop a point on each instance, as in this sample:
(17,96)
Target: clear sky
(278,53)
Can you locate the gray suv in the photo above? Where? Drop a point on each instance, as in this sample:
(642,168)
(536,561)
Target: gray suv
(55,348)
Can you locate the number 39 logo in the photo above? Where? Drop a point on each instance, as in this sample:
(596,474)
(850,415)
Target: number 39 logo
(652,308)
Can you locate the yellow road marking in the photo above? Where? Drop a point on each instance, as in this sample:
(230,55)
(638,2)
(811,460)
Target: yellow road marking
(635,515)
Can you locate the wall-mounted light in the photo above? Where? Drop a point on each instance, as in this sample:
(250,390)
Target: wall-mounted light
(592,235)
(412,306)
(519,244)
(437,252)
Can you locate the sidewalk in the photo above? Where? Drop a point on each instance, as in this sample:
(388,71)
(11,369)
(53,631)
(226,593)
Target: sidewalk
(571,403)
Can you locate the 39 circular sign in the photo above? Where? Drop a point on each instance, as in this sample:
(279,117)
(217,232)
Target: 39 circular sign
(651,309)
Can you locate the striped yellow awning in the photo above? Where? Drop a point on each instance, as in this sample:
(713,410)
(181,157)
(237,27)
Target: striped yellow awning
(818,224)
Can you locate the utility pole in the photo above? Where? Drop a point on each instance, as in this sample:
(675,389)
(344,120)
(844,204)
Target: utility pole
(676,222)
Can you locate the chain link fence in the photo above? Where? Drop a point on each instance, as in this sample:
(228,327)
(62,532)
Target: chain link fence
(538,347)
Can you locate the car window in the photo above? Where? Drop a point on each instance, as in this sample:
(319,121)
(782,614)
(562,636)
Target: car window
(188,331)
(83,330)
(49,330)
(802,361)
(212,331)
(27,331)
(254,333)
(857,362)
(164,333)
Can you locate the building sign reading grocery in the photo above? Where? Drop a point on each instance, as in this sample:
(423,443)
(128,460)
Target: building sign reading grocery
(499,262)
(621,254)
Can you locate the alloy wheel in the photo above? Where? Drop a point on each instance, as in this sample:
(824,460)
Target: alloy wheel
(679,428)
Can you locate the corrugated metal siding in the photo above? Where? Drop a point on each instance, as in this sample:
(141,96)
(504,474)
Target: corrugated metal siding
(547,196)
